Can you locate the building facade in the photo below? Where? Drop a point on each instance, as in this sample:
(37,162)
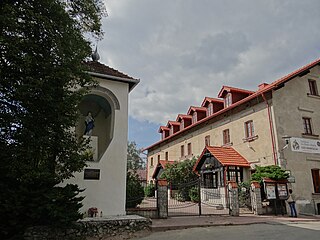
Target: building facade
(104,178)
(278,124)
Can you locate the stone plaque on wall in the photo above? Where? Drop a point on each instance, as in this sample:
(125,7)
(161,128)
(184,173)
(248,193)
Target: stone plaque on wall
(91,174)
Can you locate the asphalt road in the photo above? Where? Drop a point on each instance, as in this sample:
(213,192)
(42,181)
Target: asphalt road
(278,231)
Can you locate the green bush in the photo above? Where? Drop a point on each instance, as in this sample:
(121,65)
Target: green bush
(272,172)
(134,190)
(149,190)
(194,194)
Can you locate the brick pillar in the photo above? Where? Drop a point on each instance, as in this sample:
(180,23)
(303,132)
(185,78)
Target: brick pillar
(233,199)
(162,199)
(256,201)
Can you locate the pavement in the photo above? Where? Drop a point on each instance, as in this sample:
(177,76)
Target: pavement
(183,222)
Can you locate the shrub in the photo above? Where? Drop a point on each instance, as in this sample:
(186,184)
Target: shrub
(149,190)
(194,194)
(134,191)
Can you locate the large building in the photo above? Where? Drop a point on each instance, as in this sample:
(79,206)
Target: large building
(104,178)
(278,124)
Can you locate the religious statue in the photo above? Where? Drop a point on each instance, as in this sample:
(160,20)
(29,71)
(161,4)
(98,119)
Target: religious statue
(89,122)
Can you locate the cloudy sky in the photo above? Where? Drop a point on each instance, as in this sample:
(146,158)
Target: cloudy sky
(184,50)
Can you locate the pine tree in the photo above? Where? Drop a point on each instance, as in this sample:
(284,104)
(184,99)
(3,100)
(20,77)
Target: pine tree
(42,49)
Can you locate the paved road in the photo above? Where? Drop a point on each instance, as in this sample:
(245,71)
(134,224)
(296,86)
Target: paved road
(278,231)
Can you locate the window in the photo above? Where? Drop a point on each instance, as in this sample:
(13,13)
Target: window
(182,150)
(210,109)
(167,156)
(313,87)
(316,180)
(227,100)
(182,124)
(207,140)
(249,129)
(151,161)
(307,126)
(210,180)
(235,174)
(171,130)
(226,136)
(189,149)
(158,158)
(194,117)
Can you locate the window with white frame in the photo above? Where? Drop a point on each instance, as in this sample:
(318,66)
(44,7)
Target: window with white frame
(226,136)
(307,126)
(210,109)
(194,117)
(207,140)
(313,87)
(249,129)
(228,100)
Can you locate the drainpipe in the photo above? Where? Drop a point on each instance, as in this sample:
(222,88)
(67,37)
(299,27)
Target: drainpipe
(271,129)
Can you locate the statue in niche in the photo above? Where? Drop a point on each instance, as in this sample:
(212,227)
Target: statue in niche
(89,122)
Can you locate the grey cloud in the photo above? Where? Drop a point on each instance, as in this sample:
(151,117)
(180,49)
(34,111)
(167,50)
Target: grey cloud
(185,50)
(217,53)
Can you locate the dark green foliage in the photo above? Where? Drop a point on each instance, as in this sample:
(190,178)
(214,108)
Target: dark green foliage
(180,172)
(194,194)
(149,190)
(244,194)
(272,172)
(134,190)
(181,178)
(42,50)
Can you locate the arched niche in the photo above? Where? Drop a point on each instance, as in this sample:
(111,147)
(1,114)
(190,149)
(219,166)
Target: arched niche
(102,103)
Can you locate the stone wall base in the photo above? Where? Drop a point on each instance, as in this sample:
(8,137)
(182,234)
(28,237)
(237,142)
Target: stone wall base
(92,227)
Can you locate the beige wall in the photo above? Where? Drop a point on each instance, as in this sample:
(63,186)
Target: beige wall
(257,152)
(108,193)
(290,104)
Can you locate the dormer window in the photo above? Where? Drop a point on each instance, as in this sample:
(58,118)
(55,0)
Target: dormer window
(228,100)
(182,124)
(194,117)
(171,130)
(210,109)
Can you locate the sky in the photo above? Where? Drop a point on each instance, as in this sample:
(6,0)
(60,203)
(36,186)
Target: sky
(185,50)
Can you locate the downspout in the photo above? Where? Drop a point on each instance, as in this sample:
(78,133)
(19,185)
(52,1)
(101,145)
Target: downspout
(271,130)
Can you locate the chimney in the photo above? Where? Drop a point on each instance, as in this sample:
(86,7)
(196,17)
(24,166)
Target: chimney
(262,85)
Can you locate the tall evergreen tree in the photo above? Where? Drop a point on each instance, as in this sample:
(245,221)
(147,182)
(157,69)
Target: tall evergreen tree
(42,49)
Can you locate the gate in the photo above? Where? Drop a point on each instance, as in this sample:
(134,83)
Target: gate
(183,198)
(196,198)
(244,198)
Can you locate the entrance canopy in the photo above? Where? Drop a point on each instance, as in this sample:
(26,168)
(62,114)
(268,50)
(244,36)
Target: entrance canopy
(226,156)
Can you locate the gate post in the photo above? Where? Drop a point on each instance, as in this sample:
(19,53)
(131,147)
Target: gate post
(162,199)
(256,201)
(233,199)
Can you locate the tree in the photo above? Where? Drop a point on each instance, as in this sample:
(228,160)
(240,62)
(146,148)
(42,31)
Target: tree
(180,172)
(134,190)
(272,172)
(181,177)
(134,160)
(42,49)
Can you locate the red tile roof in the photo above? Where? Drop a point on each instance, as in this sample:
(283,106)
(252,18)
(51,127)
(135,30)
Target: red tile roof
(181,116)
(163,128)
(250,97)
(227,156)
(233,89)
(98,67)
(161,165)
(172,123)
(196,109)
(210,99)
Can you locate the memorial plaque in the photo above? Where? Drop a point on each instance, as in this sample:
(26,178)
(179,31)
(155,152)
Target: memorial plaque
(92,174)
